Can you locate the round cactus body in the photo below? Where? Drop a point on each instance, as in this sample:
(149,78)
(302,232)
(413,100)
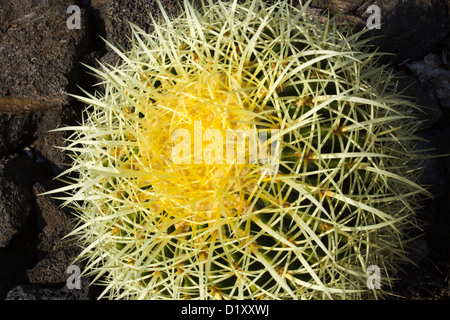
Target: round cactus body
(244,151)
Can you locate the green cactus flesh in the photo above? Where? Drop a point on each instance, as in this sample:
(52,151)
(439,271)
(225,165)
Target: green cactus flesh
(342,197)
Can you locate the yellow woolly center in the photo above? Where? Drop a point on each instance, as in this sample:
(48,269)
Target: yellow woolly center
(193,173)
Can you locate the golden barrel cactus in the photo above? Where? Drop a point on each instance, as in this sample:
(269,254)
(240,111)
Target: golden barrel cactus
(244,151)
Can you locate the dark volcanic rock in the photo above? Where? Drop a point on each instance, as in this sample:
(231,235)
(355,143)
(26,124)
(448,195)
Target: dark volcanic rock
(434,78)
(30,292)
(16,129)
(435,175)
(37,50)
(430,111)
(409,29)
(52,270)
(56,254)
(17,176)
(48,142)
(22,129)
(53,222)
(118,13)
(39,58)
(338,6)
(17,257)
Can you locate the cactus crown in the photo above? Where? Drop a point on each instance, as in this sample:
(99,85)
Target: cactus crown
(168,211)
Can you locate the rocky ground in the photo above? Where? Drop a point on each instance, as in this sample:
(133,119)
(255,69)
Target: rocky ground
(40,61)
